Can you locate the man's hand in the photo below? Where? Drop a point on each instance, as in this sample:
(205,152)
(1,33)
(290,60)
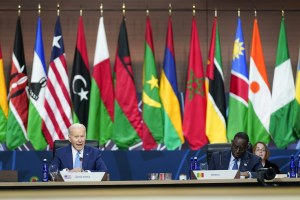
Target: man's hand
(246,174)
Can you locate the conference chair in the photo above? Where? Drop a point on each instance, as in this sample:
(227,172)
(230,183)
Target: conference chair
(63,143)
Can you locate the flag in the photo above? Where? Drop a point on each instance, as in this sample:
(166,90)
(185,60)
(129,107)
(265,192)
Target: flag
(18,100)
(283,95)
(80,79)
(101,110)
(259,106)
(173,134)
(238,92)
(297,99)
(3,102)
(58,116)
(216,105)
(195,98)
(37,89)
(152,108)
(128,129)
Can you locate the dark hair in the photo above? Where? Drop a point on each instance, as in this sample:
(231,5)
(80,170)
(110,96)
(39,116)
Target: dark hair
(242,135)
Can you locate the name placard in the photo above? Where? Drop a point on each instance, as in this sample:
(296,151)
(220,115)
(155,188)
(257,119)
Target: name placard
(82,176)
(216,174)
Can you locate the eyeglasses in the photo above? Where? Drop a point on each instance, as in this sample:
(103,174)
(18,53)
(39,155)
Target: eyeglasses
(263,150)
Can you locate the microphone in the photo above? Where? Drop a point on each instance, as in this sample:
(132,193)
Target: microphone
(220,158)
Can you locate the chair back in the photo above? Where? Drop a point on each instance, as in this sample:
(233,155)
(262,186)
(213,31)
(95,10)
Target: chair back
(216,147)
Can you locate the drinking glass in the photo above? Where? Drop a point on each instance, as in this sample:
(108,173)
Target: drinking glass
(53,170)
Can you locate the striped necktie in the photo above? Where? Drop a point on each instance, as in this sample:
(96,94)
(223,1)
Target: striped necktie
(235,165)
(77,163)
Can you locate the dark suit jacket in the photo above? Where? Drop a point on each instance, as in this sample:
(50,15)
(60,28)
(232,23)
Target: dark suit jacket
(249,162)
(91,159)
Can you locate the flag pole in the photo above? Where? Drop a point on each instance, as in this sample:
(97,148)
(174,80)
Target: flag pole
(170,9)
(123,9)
(255,13)
(147,12)
(58,9)
(101,10)
(19,10)
(39,9)
(194,11)
(239,12)
(80,12)
(216,12)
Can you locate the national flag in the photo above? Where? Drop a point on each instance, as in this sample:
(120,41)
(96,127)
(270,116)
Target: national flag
(101,110)
(80,79)
(57,95)
(128,128)
(195,97)
(259,106)
(216,105)
(173,134)
(152,107)
(37,89)
(238,92)
(18,99)
(297,99)
(283,95)
(3,102)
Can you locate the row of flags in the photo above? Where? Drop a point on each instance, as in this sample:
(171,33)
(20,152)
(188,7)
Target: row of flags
(107,103)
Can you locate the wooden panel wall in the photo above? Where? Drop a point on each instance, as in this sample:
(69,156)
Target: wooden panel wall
(269,16)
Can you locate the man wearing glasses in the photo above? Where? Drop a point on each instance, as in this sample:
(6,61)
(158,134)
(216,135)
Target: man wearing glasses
(238,158)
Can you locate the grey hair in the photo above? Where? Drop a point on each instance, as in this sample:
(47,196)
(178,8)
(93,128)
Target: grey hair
(77,126)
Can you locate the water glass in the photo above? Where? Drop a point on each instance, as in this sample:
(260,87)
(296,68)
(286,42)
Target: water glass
(53,170)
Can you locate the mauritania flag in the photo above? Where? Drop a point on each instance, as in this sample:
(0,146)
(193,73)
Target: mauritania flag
(37,93)
(58,116)
(152,107)
(297,99)
(18,100)
(216,105)
(101,111)
(259,106)
(283,95)
(80,79)
(173,136)
(128,127)
(3,102)
(238,97)
(195,99)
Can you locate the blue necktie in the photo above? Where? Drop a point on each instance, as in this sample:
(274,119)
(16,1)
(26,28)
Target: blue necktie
(77,163)
(235,165)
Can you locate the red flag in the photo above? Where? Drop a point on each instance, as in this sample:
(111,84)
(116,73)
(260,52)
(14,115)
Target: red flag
(195,99)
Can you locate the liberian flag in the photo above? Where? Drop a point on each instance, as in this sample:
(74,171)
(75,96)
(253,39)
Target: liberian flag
(259,107)
(238,96)
(195,98)
(101,111)
(18,102)
(283,95)
(173,134)
(57,95)
(37,93)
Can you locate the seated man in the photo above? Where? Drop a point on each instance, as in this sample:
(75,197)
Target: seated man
(77,156)
(237,158)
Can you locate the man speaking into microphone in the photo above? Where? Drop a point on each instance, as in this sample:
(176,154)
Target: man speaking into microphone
(78,157)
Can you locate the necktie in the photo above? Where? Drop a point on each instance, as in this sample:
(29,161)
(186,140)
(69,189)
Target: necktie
(235,165)
(77,163)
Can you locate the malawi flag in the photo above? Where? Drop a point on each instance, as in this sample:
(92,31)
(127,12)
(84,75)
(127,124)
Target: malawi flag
(216,105)
(128,129)
(101,111)
(152,107)
(80,79)
(195,98)
(37,90)
(173,134)
(3,102)
(259,92)
(18,102)
(238,97)
(283,95)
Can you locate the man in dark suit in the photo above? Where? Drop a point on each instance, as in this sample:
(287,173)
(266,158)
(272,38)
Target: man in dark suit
(237,158)
(77,156)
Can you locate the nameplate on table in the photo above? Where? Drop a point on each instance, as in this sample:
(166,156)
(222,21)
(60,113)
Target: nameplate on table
(82,176)
(216,174)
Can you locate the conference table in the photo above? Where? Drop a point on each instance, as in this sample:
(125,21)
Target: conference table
(278,188)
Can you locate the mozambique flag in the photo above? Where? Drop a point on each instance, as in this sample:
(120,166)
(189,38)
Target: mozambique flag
(37,90)
(18,100)
(128,129)
(216,105)
(3,101)
(101,114)
(80,79)
(238,97)
(195,98)
(283,95)
(152,107)
(173,135)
